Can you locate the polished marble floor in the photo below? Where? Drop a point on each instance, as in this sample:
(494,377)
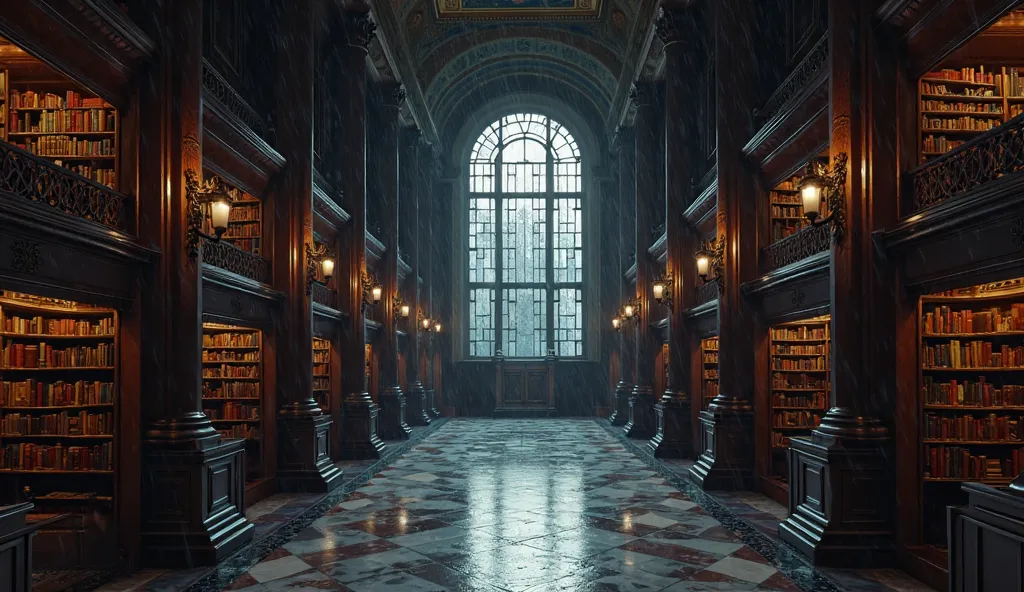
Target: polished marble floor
(516,505)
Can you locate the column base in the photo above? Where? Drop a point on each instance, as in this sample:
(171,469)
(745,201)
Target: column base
(359,440)
(433,404)
(304,463)
(642,423)
(416,406)
(840,493)
(620,405)
(192,503)
(674,438)
(391,422)
(726,461)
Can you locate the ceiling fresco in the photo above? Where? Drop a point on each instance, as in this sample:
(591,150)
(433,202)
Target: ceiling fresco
(517,9)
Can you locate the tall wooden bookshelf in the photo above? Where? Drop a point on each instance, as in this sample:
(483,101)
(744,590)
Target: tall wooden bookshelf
(245,223)
(972,394)
(371,388)
(787,210)
(957,105)
(800,384)
(58,418)
(233,390)
(709,369)
(46,114)
(322,373)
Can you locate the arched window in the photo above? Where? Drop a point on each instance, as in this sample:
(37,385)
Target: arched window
(525,240)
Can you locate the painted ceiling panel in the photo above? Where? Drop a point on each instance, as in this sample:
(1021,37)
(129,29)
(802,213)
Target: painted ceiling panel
(517,9)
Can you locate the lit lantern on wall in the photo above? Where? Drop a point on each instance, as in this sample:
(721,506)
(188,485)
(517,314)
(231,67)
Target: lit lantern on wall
(616,323)
(811,186)
(220,212)
(703,265)
(327,268)
(377,292)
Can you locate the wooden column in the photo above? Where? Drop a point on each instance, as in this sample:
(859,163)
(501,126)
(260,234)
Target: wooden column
(726,460)
(193,481)
(625,155)
(675,27)
(413,177)
(389,97)
(359,433)
(304,462)
(648,193)
(428,220)
(844,515)
(444,269)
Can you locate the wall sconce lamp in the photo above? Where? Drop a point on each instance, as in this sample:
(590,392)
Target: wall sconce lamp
(663,290)
(710,266)
(209,196)
(372,292)
(318,259)
(617,323)
(401,308)
(629,312)
(820,183)
(437,326)
(424,322)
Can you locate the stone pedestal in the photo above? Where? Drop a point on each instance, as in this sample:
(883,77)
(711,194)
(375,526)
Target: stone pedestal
(620,405)
(726,460)
(359,439)
(416,406)
(674,437)
(391,423)
(642,422)
(304,455)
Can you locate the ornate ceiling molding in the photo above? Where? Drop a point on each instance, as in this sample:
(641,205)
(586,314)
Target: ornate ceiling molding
(640,37)
(517,9)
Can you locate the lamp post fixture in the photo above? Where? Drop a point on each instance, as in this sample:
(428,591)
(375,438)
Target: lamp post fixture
(709,258)
(822,184)
(663,290)
(205,197)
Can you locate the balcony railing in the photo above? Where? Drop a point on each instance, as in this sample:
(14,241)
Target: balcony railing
(228,257)
(705,293)
(39,180)
(997,152)
(809,241)
(325,296)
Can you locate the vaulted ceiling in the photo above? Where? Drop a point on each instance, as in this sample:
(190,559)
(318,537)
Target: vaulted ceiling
(465,53)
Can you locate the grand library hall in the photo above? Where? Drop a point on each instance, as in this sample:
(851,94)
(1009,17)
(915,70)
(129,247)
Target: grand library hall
(260,284)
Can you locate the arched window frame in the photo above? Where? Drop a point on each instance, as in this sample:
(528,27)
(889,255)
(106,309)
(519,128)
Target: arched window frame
(545,188)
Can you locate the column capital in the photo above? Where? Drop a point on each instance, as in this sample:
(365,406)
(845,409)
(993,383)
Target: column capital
(669,26)
(360,30)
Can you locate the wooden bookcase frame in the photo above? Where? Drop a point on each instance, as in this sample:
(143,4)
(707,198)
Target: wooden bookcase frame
(322,348)
(255,471)
(708,365)
(59,483)
(974,302)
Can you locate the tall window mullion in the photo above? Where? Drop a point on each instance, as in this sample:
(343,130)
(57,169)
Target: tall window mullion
(499,294)
(549,255)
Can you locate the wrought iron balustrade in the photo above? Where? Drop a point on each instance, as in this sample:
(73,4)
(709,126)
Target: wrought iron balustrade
(997,152)
(705,293)
(796,247)
(37,179)
(325,296)
(228,257)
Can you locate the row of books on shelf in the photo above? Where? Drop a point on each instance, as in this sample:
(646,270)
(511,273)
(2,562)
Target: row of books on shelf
(710,391)
(780,440)
(78,121)
(227,371)
(972,354)
(321,368)
(1014,84)
(242,431)
(937,88)
(965,74)
(711,357)
(244,212)
(798,381)
(321,384)
(46,326)
(798,350)
(940,144)
(20,355)
(953,462)
(321,356)
(779,197)
(31,457)
(711,374)
(29,99)
(58,424)
(796,211)
(963,123)
(231,340)
(214,355)
(33,393)
(812,401)
(966,427)
(782,229)
(251,245)
(57,146)
(232,390)
(962,107)
(944,319)
(244,230)
(233,411)
(798,333)
(816,363)
(795,419)
(971,393)
(102,176)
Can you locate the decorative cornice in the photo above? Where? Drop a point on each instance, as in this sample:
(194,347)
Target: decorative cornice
(813,65)
(116,27)
(636,53)
(779,278)
(899,13)
(706,203)
(329,209)
(217,88)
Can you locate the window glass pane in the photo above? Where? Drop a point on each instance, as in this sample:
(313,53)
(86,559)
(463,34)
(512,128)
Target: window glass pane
(481,161)
(567,169)
(481,239)
(524,322)
(523,163)
(524,240)
(568,237)
(569,322)
(481,322)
